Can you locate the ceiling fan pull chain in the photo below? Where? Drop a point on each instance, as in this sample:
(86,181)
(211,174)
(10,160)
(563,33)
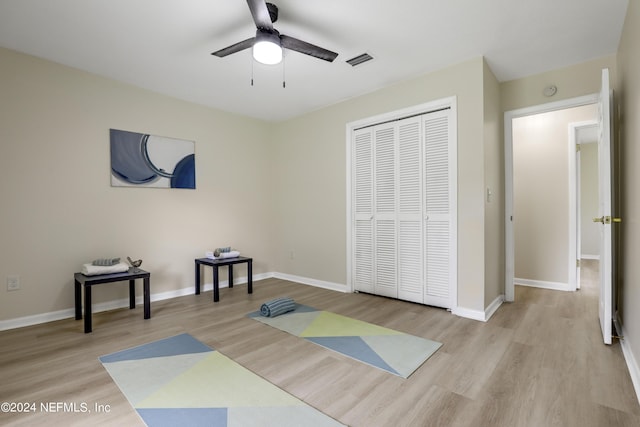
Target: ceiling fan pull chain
(283,79)
(251,70)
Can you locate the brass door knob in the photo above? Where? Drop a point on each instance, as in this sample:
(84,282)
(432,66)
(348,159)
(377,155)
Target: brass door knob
(607,220)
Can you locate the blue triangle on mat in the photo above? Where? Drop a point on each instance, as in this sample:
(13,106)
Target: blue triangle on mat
(192,417)
(353,347)
(172,346)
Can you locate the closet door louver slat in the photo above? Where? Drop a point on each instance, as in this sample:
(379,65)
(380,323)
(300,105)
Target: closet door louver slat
(385,170)
(386,280)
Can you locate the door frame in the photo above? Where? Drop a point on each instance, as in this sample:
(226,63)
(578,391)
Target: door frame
(575,207)
(509,116)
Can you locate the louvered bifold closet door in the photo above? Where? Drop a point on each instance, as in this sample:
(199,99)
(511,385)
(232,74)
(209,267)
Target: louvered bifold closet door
(410,218)
(385,200)
(363,260)
(437,219)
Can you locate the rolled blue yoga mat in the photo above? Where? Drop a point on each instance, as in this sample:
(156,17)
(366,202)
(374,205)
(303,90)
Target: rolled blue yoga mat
(277,307)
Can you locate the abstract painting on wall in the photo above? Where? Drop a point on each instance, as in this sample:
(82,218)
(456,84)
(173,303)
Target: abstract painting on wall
(143,160)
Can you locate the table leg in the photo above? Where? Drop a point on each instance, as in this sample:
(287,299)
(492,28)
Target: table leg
(216,289)
(249,277)
(132,294)
(87,309)
(147,298)
(197,278)
(78,292)
(230,275)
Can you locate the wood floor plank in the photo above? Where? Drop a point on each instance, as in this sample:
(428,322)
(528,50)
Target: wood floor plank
(468,375)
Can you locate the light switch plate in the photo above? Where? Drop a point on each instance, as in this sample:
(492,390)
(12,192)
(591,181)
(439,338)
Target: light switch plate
(13,283)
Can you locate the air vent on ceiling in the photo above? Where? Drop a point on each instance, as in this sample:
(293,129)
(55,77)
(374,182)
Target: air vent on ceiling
(357,60)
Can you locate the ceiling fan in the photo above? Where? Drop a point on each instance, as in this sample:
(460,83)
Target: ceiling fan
(268,42)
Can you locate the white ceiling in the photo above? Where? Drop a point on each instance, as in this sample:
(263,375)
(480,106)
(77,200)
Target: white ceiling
(165,45)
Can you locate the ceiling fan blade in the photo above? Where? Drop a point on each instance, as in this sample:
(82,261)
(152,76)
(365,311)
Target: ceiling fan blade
(260,14)
(245,44)
(307,48)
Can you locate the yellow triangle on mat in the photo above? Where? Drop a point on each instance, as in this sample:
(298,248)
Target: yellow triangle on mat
(329,324)
(217,382)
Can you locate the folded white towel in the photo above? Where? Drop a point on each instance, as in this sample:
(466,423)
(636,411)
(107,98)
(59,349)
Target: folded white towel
(93,270)
(230,254)
(223,255)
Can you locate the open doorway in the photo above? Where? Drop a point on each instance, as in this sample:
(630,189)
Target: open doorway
(606,208)
(541,227)
(584,136)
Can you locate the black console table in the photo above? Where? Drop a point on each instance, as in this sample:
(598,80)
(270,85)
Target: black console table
(215,263)
(87,281)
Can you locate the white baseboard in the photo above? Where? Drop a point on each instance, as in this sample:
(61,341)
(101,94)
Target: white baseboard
(632,363)
(209,286)
(312,282)
(555,286)
(37,319)
(493,307)
(479,315)
(468,313)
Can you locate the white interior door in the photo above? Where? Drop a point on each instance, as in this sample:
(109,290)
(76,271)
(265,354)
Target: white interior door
(363,260)
(605,214)
(439,210)
(410,244)
(385,201)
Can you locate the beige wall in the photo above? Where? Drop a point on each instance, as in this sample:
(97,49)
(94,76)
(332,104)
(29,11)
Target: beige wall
(628,87)
(59,210)
(311,176)
(541,193)
(494,244)
(578,80)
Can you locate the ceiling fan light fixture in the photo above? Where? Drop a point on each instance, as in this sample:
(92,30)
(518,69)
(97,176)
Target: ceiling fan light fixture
(267,49)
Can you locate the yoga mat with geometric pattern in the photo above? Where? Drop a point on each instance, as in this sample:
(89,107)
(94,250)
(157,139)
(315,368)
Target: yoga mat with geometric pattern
(393,351)
(179,381)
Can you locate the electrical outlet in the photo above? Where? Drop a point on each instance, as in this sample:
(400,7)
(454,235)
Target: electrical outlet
(13,283)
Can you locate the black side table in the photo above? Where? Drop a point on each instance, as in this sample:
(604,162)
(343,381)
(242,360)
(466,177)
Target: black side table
(215,263)
(88,281)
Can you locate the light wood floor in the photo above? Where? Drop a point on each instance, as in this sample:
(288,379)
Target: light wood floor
(538,362)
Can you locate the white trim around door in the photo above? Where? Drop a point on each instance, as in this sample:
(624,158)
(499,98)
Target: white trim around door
(508,150)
